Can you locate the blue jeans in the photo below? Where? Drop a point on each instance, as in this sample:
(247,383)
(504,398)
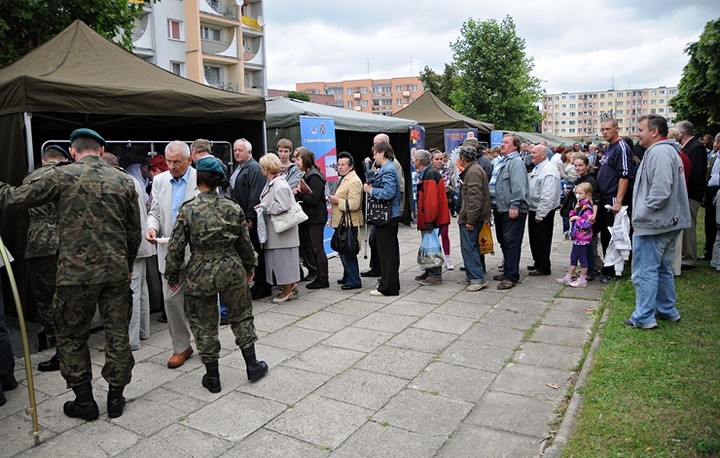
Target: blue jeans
(509,233)
(351,269)
(470,251)
(653,278)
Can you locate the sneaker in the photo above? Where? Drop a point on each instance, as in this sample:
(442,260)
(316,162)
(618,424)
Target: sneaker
(474,287)
(376,293)
(422,276)
(463,281)
(566,280)
(449,264)
(628,322)
(661,316)
(579,283)
(431,281)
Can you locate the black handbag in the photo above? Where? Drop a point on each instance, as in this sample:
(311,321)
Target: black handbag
(378,212)
(344,239)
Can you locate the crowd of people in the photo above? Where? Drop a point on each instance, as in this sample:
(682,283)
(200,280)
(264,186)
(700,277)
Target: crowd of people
(219,247)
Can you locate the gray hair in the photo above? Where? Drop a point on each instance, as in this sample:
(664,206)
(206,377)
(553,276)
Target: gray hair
(179,146)
(542,149)
(717,138)
(423,156)
(685,127)
(468,152)
(248,145)
(381,138)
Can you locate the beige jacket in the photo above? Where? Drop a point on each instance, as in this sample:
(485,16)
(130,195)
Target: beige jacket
(350,190)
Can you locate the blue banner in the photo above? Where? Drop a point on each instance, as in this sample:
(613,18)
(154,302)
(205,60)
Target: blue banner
(496,137)
(318,135)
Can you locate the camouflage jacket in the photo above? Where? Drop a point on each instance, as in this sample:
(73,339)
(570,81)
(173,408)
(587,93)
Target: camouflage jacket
(97,214)
(42,236)
(214,226)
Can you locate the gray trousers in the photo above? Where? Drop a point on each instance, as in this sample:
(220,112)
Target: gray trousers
(175,310)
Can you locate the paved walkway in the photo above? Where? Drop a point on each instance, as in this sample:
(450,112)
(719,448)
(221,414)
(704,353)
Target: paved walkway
(436,371)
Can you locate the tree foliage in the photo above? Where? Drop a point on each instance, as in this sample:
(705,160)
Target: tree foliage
(494,81)
(440,85)
(698,97)
(26,24)
(298,95)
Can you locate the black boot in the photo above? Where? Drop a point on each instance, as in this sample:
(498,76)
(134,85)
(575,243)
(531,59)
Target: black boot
(84,405)
(52,364)
(7,368)
(255,369)
(211,380)
(115,401)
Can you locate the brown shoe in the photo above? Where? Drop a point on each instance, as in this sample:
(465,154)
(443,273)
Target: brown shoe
(178,359)
(505,284)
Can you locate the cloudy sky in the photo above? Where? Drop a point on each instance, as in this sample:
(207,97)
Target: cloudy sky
(575,45)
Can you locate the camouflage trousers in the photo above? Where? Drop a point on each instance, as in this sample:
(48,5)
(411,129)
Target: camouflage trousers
(75,307)
(41,273)
(203,315)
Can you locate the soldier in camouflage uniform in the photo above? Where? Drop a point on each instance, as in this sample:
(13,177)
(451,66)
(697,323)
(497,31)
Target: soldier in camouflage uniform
(41,254)
(98,214)
(222,261)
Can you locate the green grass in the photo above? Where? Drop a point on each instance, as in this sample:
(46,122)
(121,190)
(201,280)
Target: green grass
(655,393)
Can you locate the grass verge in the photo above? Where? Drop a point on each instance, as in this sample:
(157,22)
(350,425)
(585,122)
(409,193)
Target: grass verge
(655,393)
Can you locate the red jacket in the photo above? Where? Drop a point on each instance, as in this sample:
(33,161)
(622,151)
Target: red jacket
(433,210)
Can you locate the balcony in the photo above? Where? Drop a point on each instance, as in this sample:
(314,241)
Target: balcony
(253,91)
(228,10)
(214,47)
(251,23)
(230,86)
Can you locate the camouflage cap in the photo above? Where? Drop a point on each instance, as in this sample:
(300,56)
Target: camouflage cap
(210,164)
(85,132)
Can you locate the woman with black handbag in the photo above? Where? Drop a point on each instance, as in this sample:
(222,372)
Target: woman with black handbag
(346,204)
(383,188)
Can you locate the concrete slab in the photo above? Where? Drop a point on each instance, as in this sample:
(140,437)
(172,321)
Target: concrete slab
(376,441)
(285,384)
(532,381)
(423,413)
(389,322)
(463,309)
(476,356)
(327,321)
(511,319)
(190,384)
(560,335)
(444,323)
(578,318)
(358,306)
(471,440)
(454,382)
(270,444)
(513,413)
(498,336)
(321,421)
(294,338)
(233,416)
(362,388)
(167,408)
(365,340)
(548,355)
(422,340)
(410,308)
(97,438)
(272,321)
(325,359)
(398,362)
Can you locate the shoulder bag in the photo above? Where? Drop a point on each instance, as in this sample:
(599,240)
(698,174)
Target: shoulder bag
(344,239)
(288,219)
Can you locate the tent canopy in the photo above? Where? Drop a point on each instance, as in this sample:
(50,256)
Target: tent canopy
(535,137)
(283,112)
(79,71)
(435,116)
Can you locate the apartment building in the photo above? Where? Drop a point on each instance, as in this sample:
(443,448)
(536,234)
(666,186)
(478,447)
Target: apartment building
(220,43)
(378,96)
(579,114)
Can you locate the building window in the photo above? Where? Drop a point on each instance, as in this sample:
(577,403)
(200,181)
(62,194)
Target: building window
(349,104)
(572,123)
(602,96)
(208,33)
(564,105)
(365,103)
(398,87)
(414,87)
(572,105)
(339,104)
(661,101)
(661,110)
(398,101)
(349,91)
(363,90)
(177,68)
(174,29)
(212,75)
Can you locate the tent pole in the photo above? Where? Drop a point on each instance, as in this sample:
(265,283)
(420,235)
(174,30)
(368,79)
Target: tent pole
(28,141)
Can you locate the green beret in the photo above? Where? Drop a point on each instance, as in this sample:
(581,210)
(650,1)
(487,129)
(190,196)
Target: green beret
(59,149)
(210,164)
(85,132)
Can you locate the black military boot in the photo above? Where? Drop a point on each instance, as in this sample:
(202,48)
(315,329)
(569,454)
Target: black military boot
(115,401)
(84,405)
(211,380)
(255,369)
(52,364)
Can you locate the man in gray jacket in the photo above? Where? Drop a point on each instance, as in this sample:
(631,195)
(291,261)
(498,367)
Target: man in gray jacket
(660,211)
(509,191)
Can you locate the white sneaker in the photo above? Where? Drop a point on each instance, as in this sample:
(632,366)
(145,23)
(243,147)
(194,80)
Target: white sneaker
(376,293)
(449,264)
(476,286)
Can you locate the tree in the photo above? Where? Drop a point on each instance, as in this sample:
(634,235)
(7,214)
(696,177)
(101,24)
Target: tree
(698,97)
(298,95)
(440,85)
(493,80)
(26,24)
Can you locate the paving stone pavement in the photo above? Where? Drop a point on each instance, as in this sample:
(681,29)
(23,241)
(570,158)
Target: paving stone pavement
(436,371)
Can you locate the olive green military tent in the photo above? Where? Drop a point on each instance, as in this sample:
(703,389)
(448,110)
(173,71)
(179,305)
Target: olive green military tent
(80,79)
(435,116)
